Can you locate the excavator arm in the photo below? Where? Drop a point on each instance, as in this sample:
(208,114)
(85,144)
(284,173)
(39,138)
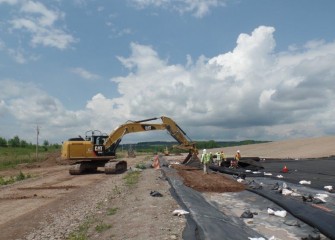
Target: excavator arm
(113,140)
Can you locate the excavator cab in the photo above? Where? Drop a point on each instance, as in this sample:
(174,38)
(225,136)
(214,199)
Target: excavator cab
(97,138)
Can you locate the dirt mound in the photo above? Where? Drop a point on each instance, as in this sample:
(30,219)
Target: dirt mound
(212,182)
(51,159)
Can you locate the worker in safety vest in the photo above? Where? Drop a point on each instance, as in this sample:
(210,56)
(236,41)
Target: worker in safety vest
(205,160)
(218,158)
(234,163)
(223,157)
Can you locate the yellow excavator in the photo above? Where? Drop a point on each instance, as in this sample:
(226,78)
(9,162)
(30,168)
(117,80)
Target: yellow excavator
(99,150)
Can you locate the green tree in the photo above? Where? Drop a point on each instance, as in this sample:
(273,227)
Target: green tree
(23,143)
(14,142)
(207,144)
(3,142)
(45,145)
(56,145)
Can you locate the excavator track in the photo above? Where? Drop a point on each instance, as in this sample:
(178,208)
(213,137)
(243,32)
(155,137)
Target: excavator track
(115,167)
(75,169)
(80,168)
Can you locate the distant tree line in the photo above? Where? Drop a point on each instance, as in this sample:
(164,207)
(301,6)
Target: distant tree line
(17,142)
(221,144)
(160,145)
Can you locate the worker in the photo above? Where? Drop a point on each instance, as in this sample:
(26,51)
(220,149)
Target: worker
(205,160)
(223,157)
(218,158)
(234,162)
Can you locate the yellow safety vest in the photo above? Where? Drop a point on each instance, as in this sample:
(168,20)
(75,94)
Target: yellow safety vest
(205,158)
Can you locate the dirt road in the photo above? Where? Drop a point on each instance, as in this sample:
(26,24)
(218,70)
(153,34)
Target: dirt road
(54,205)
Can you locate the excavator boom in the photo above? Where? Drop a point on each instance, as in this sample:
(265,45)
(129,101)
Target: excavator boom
(139,126)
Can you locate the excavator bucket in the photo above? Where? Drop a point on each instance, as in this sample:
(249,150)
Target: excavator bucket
(188,158)
(192,160)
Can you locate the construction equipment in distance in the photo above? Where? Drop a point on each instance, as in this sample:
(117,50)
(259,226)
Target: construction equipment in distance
(166,151)
(99,150)
(131,152)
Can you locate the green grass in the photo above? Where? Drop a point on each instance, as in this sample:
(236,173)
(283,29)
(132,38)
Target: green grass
(81,232)
(12,179)
(132,178)
(111,211)
(101,227)
(141,165)
(78,236)
(10,157)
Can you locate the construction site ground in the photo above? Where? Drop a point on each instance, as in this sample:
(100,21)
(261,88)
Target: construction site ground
(55,205)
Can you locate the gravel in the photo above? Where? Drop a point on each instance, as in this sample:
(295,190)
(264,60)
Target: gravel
(75,210)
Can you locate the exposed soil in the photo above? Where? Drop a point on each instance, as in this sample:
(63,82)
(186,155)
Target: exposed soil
(213,182)
(53,204)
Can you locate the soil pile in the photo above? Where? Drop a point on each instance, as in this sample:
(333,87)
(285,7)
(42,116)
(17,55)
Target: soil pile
(212,182)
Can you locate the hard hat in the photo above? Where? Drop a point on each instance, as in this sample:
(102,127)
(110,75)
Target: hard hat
(238,151)
(204,150)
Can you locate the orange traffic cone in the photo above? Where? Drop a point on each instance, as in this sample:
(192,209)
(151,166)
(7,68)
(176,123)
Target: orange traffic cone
(285,169)
(155,164)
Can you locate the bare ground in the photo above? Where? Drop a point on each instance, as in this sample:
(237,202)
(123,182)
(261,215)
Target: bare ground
(56,205)
(295,148)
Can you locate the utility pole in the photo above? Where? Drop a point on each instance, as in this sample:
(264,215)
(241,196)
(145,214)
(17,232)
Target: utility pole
(37,133)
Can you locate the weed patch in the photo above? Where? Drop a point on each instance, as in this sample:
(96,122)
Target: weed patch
(111,211)
(81,232)
(140,165)
(12,179)
(101,227)
(132,178)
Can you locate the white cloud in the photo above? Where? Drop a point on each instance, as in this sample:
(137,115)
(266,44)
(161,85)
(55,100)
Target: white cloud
(249,87)
(41,23)
(29,105)
(198,8)
(3,108)
(45,17)
(85,74)
(146,3)
(162,83)
(249,92)
(19,55)
(11,2)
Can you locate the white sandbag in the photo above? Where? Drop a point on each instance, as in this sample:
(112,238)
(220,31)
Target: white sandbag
(305,182)
(179,212)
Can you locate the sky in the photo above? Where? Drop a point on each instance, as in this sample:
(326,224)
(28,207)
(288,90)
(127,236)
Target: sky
(224,70)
